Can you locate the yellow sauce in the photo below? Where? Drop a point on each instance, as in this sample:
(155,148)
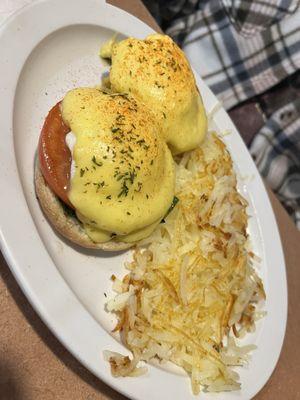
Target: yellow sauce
(106,49)
(157,72)
(124,172)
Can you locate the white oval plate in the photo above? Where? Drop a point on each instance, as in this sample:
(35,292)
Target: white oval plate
(47,48)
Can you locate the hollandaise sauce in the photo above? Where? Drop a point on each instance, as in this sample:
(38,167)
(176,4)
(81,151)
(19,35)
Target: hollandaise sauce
(156,71)
(123,180)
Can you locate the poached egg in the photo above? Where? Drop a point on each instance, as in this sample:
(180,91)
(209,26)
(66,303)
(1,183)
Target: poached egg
(123,179)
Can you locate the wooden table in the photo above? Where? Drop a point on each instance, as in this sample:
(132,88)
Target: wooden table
(35,366)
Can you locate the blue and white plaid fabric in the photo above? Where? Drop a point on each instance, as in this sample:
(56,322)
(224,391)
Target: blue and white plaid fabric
(276,151)
(235,66)
(242,48)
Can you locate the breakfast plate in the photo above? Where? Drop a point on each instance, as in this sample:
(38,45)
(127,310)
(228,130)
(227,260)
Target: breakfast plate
(44,53)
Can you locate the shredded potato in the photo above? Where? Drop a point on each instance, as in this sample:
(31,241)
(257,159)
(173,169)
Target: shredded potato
(192,286)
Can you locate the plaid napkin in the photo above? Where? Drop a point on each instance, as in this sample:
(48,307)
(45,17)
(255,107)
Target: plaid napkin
(242,48)
(235,66)
(276,151)
(251,17)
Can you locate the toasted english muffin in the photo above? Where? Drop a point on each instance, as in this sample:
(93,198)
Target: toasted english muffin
(64,221)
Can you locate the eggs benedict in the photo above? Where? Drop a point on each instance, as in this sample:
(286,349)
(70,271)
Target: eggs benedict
(105,176)
(156,71)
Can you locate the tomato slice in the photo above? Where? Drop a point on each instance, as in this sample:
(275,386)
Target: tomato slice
(54,155)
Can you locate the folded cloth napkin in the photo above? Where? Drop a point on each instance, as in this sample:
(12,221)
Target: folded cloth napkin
(242,48)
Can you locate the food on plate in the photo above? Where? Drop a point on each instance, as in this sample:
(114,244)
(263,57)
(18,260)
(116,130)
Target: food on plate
(156,71)
(192,288)
(105,176)
(132,163)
